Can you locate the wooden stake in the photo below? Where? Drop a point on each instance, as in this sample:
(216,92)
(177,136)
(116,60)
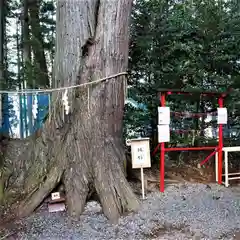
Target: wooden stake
(142,180)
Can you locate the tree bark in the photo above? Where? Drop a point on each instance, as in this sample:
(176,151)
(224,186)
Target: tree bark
(2,77)
(84,149)
(2,39)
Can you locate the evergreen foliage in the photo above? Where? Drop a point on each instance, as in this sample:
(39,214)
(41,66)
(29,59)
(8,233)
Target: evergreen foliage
(183,45)
(174,44)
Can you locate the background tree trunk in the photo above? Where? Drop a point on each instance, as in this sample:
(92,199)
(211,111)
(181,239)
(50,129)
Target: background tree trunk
(38,43)
(27,80)
(2,43)
(84,149)
(2,81)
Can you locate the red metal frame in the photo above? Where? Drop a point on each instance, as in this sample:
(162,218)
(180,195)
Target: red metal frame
(217,149)
(188,149)
(194,114)
(208,157)
(162,154)
(220,144)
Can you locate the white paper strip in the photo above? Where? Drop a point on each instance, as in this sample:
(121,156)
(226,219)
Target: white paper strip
(163,133)
(222,116)
(163,115)
(35,106)
(65,102)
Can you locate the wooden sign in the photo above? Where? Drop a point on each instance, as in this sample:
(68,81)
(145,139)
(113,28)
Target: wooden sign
(55,195)
(140,153)
(140,156)
(163,115)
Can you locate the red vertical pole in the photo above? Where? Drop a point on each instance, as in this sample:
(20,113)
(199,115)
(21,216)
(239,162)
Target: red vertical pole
(220,144)
(162,154)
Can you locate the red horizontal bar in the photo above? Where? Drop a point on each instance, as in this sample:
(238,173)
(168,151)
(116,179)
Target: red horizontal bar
(189,149)
(190,114)
(187,130)
(193,92)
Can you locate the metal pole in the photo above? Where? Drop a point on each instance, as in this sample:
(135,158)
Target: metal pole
(142,179)
(220,144)
(162,154)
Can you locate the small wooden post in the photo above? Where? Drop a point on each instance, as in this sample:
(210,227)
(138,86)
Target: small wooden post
(142,180)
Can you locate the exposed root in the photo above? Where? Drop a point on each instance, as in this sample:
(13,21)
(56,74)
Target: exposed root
(36,197)
(114,191)
(76,188)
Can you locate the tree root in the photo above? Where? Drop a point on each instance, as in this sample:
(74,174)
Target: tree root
(80,178)
(114,191)
(77,188)
(36,197)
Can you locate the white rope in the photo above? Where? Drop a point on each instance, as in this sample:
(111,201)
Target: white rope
(36,91)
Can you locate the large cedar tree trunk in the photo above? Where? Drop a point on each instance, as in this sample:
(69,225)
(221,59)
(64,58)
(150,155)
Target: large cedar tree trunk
(84,149)
(2,80)
(38,43)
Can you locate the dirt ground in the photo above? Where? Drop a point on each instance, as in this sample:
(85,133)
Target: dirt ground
(10,229)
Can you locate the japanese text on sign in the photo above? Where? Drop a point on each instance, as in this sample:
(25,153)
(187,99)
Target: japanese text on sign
(140,154)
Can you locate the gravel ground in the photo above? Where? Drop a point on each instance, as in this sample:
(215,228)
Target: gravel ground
(181,212)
